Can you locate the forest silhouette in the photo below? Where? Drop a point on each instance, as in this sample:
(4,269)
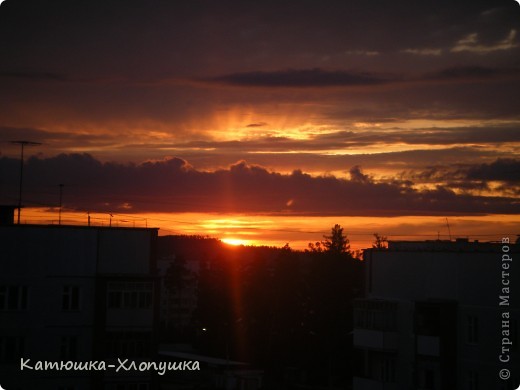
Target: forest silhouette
(279,309)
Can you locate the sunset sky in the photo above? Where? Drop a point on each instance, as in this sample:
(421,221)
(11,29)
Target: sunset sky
(266,121)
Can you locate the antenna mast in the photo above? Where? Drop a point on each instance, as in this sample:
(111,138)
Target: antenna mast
(61,199)
(449,230)
(22,144)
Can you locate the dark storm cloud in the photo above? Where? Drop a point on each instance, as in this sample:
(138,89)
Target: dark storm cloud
(356,175)
(431,136)
(150,46)
(329,78)
(502,169)
(114,78)
(446,100)
(174,186)
(228,37)
(374,163)
(300,78)
(471,73)
(509,190)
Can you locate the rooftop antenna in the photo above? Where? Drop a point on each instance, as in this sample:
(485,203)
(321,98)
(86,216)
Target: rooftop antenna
(22,145)
(61,198)
(448,224)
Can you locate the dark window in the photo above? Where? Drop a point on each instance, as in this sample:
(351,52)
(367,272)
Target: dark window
(377,315)
(429,379)
(70,298)
(11,349)
(472,329)
(129,295)
(13,297)
(427,319)
(69,348)
(426,379)
(388,369)
(472,380)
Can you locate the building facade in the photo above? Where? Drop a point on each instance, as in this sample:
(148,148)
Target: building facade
(76,293)
(439,315)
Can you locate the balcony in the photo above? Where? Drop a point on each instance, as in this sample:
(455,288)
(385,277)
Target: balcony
(376,339)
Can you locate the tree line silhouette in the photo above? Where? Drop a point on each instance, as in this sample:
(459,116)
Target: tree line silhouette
(283,310)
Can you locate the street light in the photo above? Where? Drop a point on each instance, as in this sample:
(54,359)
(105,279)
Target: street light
(22,144)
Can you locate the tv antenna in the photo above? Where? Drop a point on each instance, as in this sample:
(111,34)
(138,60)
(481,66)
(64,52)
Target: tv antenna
(61,201)
(449,230)
(22,145)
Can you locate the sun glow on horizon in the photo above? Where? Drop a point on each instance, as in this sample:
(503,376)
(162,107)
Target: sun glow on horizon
(297,231)
(235,241)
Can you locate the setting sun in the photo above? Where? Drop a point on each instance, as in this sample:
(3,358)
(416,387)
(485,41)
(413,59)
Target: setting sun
(235,241)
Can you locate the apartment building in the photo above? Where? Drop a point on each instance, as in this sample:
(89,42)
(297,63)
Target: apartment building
(439,315)
(76,293)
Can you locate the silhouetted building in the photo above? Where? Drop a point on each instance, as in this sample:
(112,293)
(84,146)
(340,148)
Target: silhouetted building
(433,317)
(73,293)
(7,214)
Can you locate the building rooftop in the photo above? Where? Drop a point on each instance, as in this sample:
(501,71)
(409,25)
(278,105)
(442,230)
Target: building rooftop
(457,245)
(63,226)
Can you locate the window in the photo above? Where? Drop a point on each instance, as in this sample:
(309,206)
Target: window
(427,319)
(472,329)
(388,370)
(11,349)
(472,380)
(429,379)
(70,298)
(69,348)
(510,385)
(130,295)
(426,379)
(13,297)
(377,315)
(376,365)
